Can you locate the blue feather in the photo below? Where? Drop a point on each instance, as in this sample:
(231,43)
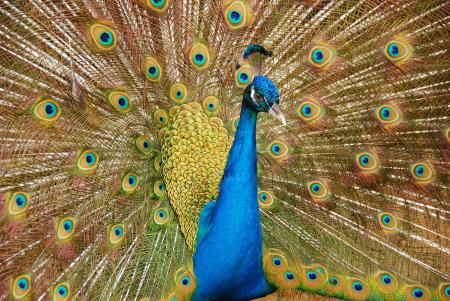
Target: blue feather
(228,261)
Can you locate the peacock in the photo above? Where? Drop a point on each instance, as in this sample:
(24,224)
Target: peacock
(180,150)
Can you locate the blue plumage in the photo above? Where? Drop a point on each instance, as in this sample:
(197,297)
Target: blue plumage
(228,261)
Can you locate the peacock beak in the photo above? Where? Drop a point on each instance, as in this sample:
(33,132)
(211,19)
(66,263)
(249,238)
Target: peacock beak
(275,111)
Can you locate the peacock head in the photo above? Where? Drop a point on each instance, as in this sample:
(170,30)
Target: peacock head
(262,96)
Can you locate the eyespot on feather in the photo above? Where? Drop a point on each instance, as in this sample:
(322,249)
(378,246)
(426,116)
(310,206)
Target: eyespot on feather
(199,56)
(310,110)
(116,234)
(356,289)
(422,173)
(335,284)
(313,278)
(178,93)
(398,51)
(237,14)
(144,145)
(185,283)
(388,115)
(61,292)
(386,282)
(388,222)
(321,56)
(160,118)
(159,6)
(120,101)
(211,104)
(274,261)
(265,199)
(130,182)
(417,292)
(318,189)
(87,162)
(161,216)
(159,189)
(152,69)
(65,228)
(288,279)
(21,287)
(444,291)
(17,204)
(46,111)
(278,149)
(244,76)
(102,37)
(367,162)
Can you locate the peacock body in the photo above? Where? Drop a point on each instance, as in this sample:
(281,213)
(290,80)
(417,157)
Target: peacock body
(135,163)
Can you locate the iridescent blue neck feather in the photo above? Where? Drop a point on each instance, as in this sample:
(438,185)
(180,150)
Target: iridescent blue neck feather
(228,260)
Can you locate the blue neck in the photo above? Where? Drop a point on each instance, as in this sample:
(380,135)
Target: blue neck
(228,260)
(240,178)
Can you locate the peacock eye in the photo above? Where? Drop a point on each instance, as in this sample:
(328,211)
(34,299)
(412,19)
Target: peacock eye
(321,56)
(61,292)
(116,234)
(159,189)
(311,275)
(199,56)
(278,150)
(157,3)
(130,182)
(103,37)
(310,110)
(158,6)
(46,111)
(152,69)
(357,286)
(333,281)
(367,162)
(422,172)
(144,145)
(18,203)
(65,228)
(244,76)
(387,221)
(237,14)
(87,162)
(417,292)
(388,115)
(444,291)
(21,287)
(120,101)
(161,216)
(276,261)
(211,104)
(265,199)
(185,281)
(318,189)
(160,117)
(289,276)
(398,50)
(178,92)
